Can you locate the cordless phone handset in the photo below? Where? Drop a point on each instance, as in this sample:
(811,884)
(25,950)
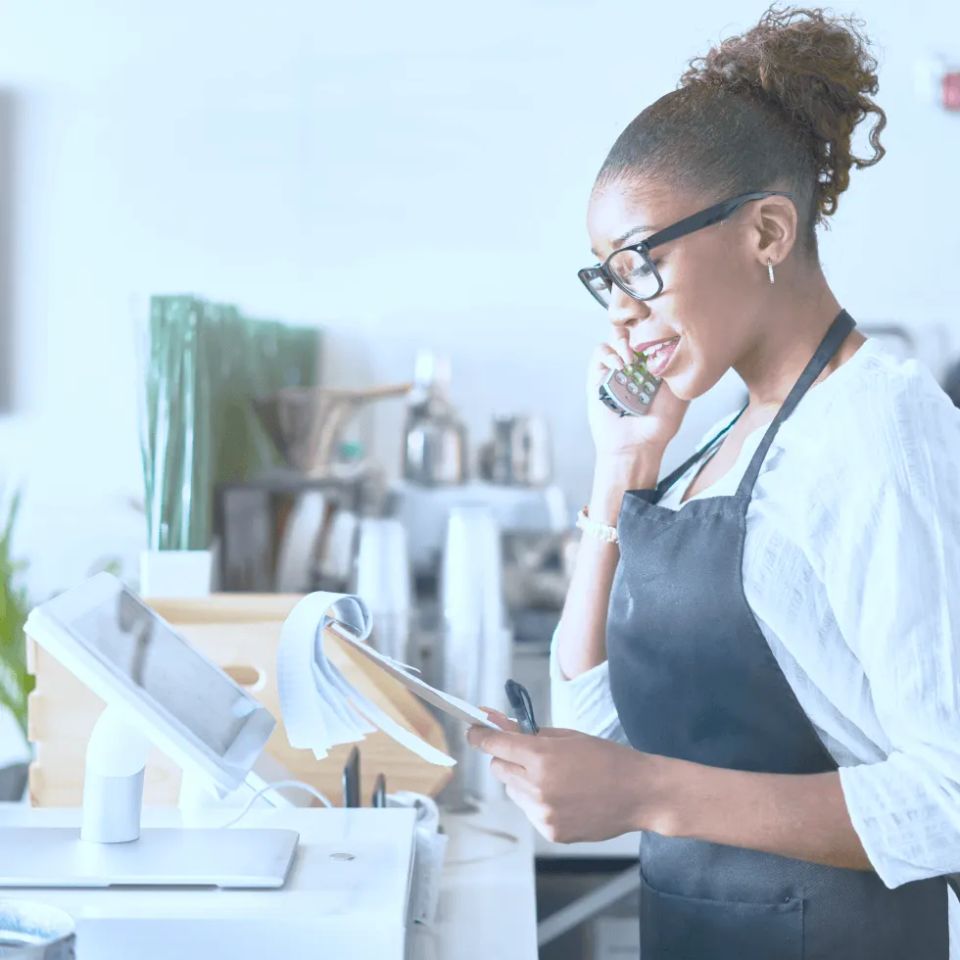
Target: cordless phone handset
(630,391)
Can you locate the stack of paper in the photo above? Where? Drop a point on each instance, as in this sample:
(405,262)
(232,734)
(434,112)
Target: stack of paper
(321,708)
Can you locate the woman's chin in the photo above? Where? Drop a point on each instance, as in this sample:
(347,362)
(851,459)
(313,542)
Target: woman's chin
(688,384)
(677,388)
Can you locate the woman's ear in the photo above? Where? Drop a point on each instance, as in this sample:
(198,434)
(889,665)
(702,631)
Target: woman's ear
(774,229)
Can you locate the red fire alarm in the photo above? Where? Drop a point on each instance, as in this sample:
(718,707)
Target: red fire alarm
(951,90)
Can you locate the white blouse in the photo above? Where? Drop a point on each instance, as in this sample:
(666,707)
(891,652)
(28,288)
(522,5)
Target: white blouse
(852,569)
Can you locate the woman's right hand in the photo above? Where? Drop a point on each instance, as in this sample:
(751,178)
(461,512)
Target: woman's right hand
(617,437)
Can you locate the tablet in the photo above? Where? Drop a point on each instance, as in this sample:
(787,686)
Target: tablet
(447,702)
(133,659)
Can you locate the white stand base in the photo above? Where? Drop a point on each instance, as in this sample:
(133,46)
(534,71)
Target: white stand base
(57,857)
(111,850)
(346,897)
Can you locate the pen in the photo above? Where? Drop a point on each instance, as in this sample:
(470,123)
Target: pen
(351,780)
(379,798)
(521,705)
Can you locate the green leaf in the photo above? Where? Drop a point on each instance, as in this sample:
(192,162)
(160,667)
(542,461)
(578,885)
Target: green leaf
(15,682)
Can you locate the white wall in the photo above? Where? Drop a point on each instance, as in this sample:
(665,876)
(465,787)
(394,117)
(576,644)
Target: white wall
(403,174)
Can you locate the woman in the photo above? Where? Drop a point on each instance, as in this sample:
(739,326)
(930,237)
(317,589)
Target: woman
(763,670)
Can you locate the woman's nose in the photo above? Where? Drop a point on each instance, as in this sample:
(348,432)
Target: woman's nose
(624,311)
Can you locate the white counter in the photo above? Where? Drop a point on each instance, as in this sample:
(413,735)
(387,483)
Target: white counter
(487,895)
(488,905)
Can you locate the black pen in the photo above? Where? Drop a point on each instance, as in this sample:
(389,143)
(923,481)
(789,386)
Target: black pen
(522,706)
(351,780)
(379,798)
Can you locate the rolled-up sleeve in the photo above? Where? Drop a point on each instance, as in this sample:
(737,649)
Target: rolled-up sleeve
(892,572)
(584,702)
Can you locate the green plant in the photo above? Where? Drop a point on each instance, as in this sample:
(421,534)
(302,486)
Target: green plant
(15,682)
(204,364)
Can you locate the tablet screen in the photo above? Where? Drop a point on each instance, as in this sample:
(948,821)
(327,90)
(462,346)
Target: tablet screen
(130,638)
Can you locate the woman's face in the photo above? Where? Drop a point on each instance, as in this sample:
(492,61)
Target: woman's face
(712,282)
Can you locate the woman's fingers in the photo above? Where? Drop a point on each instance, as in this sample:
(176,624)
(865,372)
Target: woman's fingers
(508,773)
(610,357)
(502,720)
(622,347)
(605,359)
(518,748)
(557,732)
(531,809)
(613,355)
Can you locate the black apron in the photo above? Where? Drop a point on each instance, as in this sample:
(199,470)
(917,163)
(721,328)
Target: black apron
(693,677)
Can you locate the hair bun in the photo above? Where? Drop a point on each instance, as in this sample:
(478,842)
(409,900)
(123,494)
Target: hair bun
(817,69)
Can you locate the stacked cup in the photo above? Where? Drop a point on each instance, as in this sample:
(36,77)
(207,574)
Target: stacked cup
(476,642)
(383,582)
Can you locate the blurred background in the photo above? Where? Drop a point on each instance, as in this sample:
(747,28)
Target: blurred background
(399,177)
(288,293)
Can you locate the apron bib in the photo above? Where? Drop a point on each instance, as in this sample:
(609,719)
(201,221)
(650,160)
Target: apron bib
(693,677)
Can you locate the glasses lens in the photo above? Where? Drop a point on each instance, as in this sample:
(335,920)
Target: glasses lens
(636,272)
(598,285)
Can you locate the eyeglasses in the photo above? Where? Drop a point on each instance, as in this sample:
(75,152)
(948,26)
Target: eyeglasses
(632,269)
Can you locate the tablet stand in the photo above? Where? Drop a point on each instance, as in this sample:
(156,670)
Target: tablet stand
(111,849)
(113,780)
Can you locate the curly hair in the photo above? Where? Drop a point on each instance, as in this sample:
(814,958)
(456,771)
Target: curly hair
(775,105)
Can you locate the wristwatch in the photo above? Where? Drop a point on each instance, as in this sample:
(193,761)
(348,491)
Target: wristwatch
(602,531)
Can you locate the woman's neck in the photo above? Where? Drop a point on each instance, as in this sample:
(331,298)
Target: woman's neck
(793,323)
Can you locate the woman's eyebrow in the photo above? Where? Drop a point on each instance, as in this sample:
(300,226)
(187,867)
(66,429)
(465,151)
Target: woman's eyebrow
(622,239)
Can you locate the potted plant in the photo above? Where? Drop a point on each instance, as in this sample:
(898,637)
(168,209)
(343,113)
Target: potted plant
(15,681)
(204,364)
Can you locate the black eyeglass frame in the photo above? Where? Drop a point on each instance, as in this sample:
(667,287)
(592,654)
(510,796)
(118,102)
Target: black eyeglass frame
(696,221)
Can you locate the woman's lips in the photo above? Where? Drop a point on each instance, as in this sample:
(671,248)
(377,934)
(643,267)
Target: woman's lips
(647,344)
(658,356)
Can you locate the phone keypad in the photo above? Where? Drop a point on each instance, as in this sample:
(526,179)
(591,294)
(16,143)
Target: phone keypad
(630,389)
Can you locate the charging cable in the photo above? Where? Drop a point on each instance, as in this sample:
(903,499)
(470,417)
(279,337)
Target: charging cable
(284,784)
(511,840)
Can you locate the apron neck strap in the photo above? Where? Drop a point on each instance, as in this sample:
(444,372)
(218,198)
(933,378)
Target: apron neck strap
(667,482)
(838,332)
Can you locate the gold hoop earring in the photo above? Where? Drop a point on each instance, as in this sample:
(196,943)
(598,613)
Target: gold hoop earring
(770,270)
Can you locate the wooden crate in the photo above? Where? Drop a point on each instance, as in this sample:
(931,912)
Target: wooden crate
(239,632)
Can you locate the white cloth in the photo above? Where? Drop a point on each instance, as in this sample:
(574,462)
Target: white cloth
(852,569)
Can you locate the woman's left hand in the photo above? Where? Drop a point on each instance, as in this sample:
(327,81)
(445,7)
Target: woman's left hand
(571,786)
